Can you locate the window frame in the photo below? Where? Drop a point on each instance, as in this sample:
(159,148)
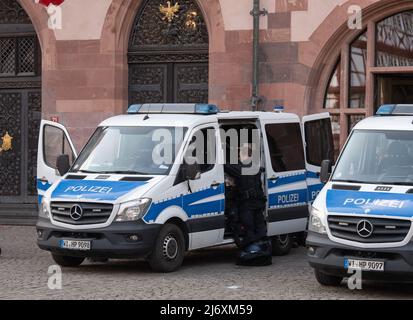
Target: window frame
(179,176)
(299,138)
(65,139)
(309,144)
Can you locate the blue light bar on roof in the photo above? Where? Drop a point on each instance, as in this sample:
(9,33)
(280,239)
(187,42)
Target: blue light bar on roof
(278,109)
(395,110)
(173,108)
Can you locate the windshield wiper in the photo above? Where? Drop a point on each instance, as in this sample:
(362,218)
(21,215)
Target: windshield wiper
(397,183)
(352,181)
(86,171)
(377,182)
(124,172)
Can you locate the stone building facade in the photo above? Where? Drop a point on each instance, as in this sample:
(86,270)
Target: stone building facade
(110,53)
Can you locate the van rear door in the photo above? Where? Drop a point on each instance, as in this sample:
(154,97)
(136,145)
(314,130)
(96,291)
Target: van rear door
(54,140)
(319,146)
(286,176)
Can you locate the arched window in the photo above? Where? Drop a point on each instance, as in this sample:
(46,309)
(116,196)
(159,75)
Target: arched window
(375,68)
(168,53)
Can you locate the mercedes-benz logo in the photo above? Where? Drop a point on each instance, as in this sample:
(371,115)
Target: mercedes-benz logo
(76,212)
(365,229)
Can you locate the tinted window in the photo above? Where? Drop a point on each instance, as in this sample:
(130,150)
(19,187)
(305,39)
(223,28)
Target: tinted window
(286,146)
(55,144)
(203,148)
(319,138)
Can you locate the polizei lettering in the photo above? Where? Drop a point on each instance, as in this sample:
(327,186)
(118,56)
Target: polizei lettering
(91,189)
(288,198)
(374,203)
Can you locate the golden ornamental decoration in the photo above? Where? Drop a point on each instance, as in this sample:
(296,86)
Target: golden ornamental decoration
(169,11)
(191,20)
(7,142)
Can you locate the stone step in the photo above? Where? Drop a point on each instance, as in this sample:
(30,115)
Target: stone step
(18,214)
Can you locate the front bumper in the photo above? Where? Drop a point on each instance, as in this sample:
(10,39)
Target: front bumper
(110,242)
(328,256)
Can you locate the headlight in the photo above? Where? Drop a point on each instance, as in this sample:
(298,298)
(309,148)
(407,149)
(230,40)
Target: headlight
(44,209)
(317,221)
(133,210)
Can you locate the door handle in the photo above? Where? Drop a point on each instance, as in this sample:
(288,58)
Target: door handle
(44,180)
(273,179)
(215,184)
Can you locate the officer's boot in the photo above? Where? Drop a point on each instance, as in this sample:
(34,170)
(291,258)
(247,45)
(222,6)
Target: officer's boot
(256,254)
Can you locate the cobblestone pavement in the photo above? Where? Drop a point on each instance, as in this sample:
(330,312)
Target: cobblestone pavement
(206,274)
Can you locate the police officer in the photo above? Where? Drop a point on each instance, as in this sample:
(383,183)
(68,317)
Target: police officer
(256,249)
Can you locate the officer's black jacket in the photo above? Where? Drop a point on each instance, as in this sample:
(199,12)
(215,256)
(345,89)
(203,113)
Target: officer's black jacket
(249,186)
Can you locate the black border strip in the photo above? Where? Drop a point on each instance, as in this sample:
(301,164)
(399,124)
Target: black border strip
(286,214)
(206,224)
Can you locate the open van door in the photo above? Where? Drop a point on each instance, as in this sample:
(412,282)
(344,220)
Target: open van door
(54,140)
(319,146)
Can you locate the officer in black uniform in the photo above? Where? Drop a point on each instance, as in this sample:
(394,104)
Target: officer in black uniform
(256,249)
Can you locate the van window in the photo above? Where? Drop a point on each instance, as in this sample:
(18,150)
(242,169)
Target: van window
(203,148)
(286,146)
(377,157)
(319,138)
(55,145)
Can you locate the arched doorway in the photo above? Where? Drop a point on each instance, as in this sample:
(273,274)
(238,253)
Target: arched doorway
(168,53)
(20,112)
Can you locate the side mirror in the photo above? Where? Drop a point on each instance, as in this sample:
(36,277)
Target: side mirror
(192,171)
(325,171)
(63,164)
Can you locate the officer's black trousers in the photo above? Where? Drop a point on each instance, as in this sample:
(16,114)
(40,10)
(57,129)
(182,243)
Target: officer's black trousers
(254,222)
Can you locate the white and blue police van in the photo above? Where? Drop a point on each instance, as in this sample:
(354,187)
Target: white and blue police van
(115,200)
(361,222)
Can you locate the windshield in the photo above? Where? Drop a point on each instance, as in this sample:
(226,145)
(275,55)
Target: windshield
(378,157)
(130,150)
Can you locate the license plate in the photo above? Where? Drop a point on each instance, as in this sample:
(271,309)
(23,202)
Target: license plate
(75,245)
(365,265)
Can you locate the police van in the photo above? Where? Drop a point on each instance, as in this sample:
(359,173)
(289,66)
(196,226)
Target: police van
(115,200)
(361,222)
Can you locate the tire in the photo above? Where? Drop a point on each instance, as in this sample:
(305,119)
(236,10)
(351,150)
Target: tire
(66,261)
(326,279)
(301,238)
(169,250)
(281,245)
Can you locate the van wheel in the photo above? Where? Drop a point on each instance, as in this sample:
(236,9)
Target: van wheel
(66,261)
(169,250)
(281,245)
(326,279)
(301,238)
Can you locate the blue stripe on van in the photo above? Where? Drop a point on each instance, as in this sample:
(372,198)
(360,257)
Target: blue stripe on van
(293,197)
(374,203)
(314,190)
(94,189)
(313,175)
(281,181)
(188,204)
(288,198)
(43,186)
